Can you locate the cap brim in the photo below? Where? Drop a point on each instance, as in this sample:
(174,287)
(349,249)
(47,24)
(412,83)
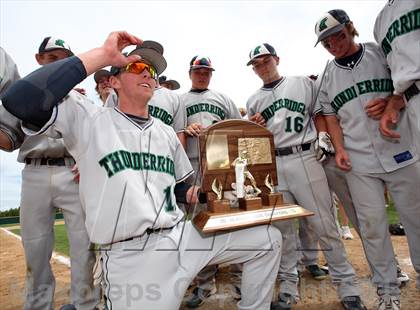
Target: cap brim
(260,55)
(175,84)
(329,32)
(69,52)
(200,67)
(153,57)
(100,74)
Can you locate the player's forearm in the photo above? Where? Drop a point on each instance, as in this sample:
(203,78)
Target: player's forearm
(395,102)
(334,129)
(320,123)
(33,98)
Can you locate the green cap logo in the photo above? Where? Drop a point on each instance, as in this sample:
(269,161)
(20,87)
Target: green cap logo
(257,50)
(60,42)
(322,24)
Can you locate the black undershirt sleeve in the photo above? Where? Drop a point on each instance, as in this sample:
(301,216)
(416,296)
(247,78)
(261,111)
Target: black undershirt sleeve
(33,98)
(181,190)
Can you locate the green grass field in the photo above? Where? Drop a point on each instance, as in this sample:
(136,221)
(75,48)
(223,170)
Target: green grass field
(62,243)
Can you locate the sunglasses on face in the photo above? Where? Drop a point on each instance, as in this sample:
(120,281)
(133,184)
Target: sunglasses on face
(139,67)
(337,37)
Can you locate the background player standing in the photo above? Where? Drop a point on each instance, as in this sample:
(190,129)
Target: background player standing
(47,184)
(397,31)
(286,105)
(103,88)
(204,107)
(353,96)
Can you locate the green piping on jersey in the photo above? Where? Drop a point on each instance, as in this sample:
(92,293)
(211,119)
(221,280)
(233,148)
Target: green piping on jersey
(364,87)
(283,103)
(205,107)
(120,160)
(405,24)
(161,114)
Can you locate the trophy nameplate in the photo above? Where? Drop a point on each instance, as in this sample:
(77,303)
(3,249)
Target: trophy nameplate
(238,156)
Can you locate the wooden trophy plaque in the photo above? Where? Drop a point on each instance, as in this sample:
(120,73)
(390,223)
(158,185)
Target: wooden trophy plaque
(241,150)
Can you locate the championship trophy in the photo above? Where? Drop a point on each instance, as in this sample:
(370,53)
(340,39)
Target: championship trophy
(237,156)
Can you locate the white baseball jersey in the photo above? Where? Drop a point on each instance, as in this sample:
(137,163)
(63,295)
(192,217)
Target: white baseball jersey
(286,109)
(129,172)
(8,70)
(9,124)
(206,108)
(397,31)
(164,105)
(345,92)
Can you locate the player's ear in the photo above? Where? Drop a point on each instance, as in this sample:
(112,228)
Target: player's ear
(38,58)
(114,82)
(277,59)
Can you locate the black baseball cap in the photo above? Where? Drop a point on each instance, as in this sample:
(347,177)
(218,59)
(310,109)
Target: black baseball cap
(261,50)
(100,74)
(151,52)
(331,22)
(164,80)
(51,44)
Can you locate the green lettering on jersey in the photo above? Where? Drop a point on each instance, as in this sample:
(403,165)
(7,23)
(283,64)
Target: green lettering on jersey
(121,160)
(161,114)
(343,97)
(363,87)
(283,103)
(406,23)
(207,108)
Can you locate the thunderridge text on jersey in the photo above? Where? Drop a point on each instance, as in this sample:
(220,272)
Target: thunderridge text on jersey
(120,160)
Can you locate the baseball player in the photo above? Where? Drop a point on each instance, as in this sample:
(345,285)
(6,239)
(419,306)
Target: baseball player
(397,32)
(169,84)
(102,87)
(133,167)
(203,107)
(354,83)
(8,74)
(164,105)
(286,106)
(47,184)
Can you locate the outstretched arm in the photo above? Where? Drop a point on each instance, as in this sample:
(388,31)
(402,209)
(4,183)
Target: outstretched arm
(33,98)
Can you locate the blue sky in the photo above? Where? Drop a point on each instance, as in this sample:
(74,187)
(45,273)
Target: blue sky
(223,30)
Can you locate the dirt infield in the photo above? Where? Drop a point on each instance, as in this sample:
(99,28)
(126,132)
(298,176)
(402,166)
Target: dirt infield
(314,294)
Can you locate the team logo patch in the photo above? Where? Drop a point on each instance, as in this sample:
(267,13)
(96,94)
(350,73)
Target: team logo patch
(257,50)
(59,42)
(322,24)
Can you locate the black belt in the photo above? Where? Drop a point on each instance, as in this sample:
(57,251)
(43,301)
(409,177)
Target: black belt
(292,149)
(412,91)
(47,161)
(148,231)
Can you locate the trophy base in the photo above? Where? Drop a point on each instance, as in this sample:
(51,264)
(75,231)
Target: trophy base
(275,199)
(248,204)
(208,222)
(219,206)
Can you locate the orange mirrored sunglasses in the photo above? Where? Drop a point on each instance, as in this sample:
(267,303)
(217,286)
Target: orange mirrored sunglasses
(139,67)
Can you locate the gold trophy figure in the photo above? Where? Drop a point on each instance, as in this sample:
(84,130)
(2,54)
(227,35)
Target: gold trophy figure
(271,198)
(219,205)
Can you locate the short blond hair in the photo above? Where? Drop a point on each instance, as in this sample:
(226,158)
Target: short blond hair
(352,30)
